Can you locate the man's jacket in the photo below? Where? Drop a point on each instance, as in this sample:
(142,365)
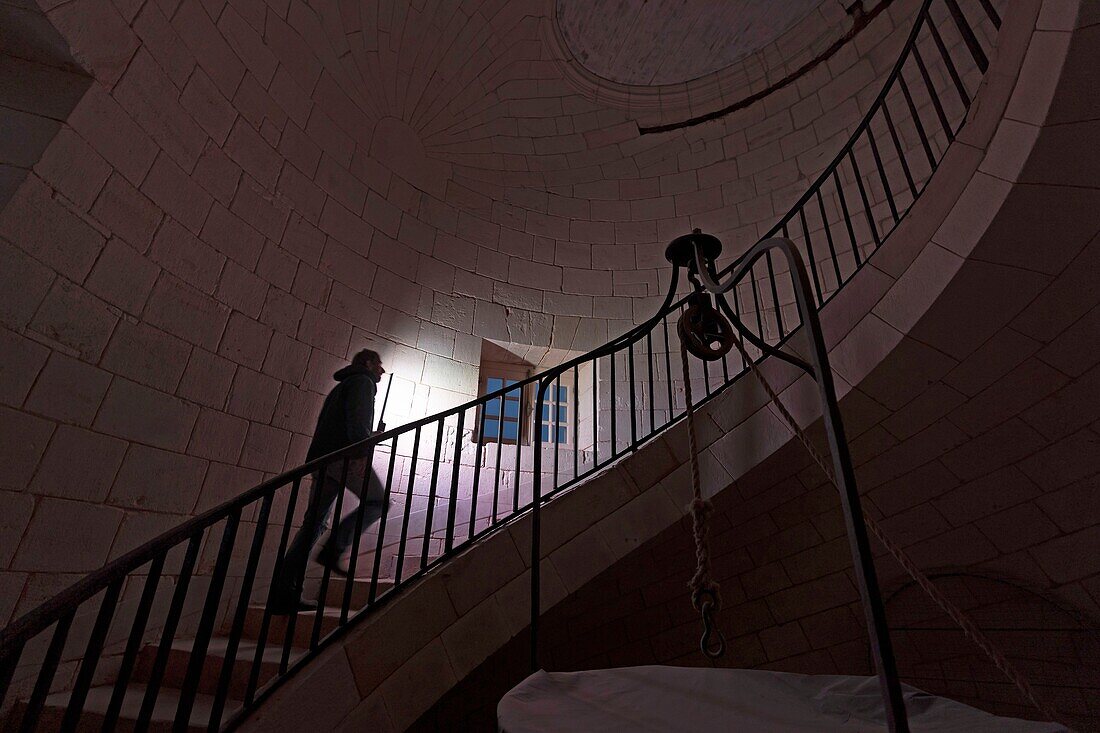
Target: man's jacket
(348,413)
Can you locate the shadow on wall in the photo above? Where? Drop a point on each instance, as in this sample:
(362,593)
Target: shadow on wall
(936,656)
(40,84)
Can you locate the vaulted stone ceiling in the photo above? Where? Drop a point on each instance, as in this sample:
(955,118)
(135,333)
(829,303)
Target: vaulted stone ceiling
(672,41)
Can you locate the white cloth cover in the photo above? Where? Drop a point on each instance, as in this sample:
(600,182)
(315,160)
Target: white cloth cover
(656,698)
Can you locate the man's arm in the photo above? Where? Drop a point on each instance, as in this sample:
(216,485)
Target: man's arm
(360,409)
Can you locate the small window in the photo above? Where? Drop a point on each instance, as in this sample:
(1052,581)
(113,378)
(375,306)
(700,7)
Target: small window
(503,420)
(555,415)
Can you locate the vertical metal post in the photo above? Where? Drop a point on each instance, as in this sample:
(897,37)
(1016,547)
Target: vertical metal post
(536,527)
(858,542)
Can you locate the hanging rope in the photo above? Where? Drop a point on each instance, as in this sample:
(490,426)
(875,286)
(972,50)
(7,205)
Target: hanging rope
(956,614)
(705,594)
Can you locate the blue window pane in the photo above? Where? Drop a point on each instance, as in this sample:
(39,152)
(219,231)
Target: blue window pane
(510,382)
(545,434)
(511,408)
(561,435)
(562,416)
(545,412)
(492,384)
(563,394)
(492,407)
(511,430)
(491,428)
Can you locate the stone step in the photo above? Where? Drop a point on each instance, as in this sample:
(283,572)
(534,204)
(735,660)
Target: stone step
(278,626)
(180,655)
(95,708)
(411,564)
(360,591)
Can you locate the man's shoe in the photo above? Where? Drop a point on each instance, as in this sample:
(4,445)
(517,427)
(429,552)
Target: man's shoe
(289,606)
(329,558)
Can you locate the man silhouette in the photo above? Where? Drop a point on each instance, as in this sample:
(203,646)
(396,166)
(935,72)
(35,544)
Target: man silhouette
(347,417)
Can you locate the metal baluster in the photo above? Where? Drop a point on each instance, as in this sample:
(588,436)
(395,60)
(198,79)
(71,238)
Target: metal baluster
(775,298)
(408,510)
(828,236)
(452,507)
(479,451)
(595,416)
(225,679)
(46,673)
(901,155)
(557,425)
(432,488)
(968,35)
(668,367)
(500,442)
(199,647)
(964,96)
(376,571)
(91,655)
(736,312)
(992,13)
(630,376)
(847,217)
(519,438)
(863,196)
(576,422)
(326,573)
(882,176)
(809,255)
(652,396)
(133,643)
(168,633)
(917,121)
(725,367)
(265,623)
(754,287)
(933,95)
(614,410)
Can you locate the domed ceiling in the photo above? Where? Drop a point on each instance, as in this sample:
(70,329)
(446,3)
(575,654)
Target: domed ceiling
(652,42)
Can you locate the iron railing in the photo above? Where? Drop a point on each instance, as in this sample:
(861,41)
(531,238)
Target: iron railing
(182,626)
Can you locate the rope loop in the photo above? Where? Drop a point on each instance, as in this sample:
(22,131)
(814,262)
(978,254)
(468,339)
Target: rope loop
(705,595)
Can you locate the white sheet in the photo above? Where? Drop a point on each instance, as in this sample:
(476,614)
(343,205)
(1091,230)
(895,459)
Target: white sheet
(655,698)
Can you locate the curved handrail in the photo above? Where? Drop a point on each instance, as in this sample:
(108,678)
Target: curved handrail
(770,331)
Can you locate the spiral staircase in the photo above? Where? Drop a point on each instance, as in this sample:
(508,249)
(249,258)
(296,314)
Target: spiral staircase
(177,634)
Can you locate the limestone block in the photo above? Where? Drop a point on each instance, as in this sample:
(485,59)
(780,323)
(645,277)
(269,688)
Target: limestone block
(79,464)
(139,413)
(69,390)
(157,480)
(89,532)
(48,231)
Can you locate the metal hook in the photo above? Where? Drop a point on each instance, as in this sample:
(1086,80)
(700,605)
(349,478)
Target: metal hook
(711,648)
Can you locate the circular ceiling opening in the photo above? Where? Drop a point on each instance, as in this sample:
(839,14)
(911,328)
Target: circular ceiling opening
(654,42)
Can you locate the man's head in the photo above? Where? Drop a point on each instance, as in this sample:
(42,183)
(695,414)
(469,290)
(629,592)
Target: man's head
(371,361)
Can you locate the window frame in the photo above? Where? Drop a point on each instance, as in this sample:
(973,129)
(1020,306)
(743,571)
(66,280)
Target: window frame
(504,371)
(569,424)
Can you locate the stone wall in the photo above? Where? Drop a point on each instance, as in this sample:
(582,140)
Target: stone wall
(956,305)
(248,192)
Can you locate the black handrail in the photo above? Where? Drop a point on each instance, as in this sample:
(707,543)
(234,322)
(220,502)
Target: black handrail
(151,564)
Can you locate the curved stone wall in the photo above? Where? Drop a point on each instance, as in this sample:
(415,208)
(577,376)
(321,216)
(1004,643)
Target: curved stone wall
(249,192)
(957,351)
